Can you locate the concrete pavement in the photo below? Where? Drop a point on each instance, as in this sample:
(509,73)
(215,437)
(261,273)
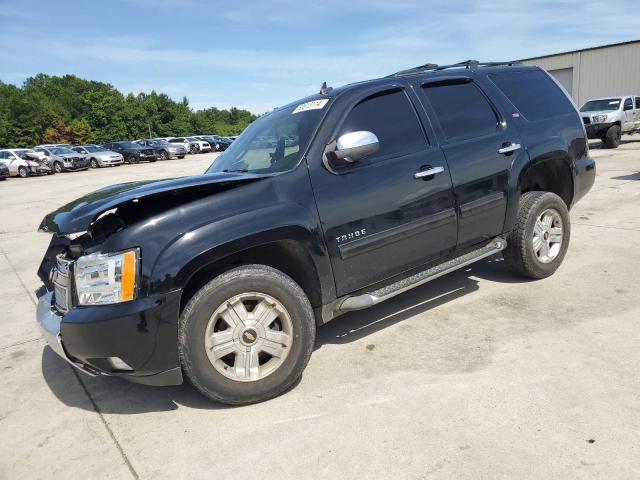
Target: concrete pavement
(477,375)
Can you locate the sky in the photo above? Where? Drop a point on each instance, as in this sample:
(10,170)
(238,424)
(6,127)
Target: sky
(262,54)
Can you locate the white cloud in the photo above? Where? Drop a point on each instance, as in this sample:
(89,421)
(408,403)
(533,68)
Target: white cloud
(404,34)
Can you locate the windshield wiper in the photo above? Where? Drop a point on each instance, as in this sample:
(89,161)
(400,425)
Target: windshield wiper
(237,170)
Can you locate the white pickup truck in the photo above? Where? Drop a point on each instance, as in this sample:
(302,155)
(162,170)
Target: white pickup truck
(608,118)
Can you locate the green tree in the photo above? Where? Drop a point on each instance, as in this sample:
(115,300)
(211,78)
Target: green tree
(69,109)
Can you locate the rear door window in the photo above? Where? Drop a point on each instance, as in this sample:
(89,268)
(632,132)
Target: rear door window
(637,102)
(462,109)
(391,117)
(533,93)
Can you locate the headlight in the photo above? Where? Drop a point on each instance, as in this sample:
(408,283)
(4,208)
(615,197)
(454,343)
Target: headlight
(600,118)
(102,278)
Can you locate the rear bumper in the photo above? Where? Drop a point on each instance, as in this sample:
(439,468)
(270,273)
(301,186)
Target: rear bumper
(597,130)
(142,333)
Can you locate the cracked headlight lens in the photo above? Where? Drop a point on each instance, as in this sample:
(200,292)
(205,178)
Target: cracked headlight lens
(103,278)
(600,118)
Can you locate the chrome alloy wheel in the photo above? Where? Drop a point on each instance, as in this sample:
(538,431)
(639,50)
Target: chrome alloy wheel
(248,337)
(547,235)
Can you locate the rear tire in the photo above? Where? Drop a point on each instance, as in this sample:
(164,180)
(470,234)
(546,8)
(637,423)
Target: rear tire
(94,163)
(234,357)
(164,155)
(540,237)
(613,137)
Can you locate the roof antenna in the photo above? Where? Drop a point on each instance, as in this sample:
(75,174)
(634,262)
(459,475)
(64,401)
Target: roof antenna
(324,89)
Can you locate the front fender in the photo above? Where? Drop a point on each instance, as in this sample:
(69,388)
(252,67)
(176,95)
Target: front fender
(220,238)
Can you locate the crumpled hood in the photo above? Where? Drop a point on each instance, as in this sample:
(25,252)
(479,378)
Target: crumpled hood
(78,215)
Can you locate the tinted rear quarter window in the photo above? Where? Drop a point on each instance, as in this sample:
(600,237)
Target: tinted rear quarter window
(390,116)
(533,93)
(462,109)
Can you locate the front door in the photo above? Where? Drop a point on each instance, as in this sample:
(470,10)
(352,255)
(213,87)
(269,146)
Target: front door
(378,218)
(629,114)
(479,147)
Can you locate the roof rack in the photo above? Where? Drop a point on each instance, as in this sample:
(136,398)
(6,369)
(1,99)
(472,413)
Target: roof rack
(466,64)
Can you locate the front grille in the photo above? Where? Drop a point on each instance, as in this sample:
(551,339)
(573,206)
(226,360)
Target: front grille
(586,120)
(61,284)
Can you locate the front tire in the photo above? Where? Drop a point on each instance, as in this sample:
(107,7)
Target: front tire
(23,172)
(613,137)
(94,163)
(57,167)
(164,155)
(540,237)
(246,336)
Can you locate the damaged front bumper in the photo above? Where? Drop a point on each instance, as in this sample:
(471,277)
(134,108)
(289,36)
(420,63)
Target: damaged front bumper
(49,321)
(141,336)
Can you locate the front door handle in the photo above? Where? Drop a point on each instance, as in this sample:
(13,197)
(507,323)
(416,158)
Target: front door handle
(512,147)
(428,173)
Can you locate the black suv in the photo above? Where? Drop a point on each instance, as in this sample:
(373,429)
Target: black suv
(133,152)
(366,191)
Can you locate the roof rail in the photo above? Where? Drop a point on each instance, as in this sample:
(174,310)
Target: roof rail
(466,64)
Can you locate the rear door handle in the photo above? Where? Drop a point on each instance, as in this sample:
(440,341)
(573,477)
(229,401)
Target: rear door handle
(428,173)
(512,147)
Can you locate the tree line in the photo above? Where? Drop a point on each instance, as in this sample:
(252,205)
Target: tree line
(68,109)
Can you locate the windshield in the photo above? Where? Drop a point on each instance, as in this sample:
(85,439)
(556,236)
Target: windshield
(21,152)
(61,151)
(159,143)
(273,143)
(129,145)
(607,104)
(94,148)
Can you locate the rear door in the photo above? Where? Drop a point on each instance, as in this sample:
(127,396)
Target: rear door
(637,114)
(378,218)
(479,148)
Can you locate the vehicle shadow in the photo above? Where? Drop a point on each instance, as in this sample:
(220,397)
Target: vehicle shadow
(631,176)
(111,395)
(598,145)
(353,326)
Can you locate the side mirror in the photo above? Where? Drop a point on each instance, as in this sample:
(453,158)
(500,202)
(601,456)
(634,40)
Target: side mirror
(355,146)
(628,106)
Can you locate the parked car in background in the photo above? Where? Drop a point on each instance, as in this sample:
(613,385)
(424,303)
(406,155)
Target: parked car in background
(198,145)
(21,162)
(63,159)
(100,156)
(4,171)
(608,118)
(164,149)
(132,152)
(182,141)
(218,144)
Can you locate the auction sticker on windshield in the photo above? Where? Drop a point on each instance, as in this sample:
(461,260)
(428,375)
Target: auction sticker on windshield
(312,105)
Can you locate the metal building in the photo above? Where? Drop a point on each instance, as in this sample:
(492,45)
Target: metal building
(595,72)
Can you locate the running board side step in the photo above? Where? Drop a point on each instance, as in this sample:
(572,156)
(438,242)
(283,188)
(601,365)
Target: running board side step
(366,300)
